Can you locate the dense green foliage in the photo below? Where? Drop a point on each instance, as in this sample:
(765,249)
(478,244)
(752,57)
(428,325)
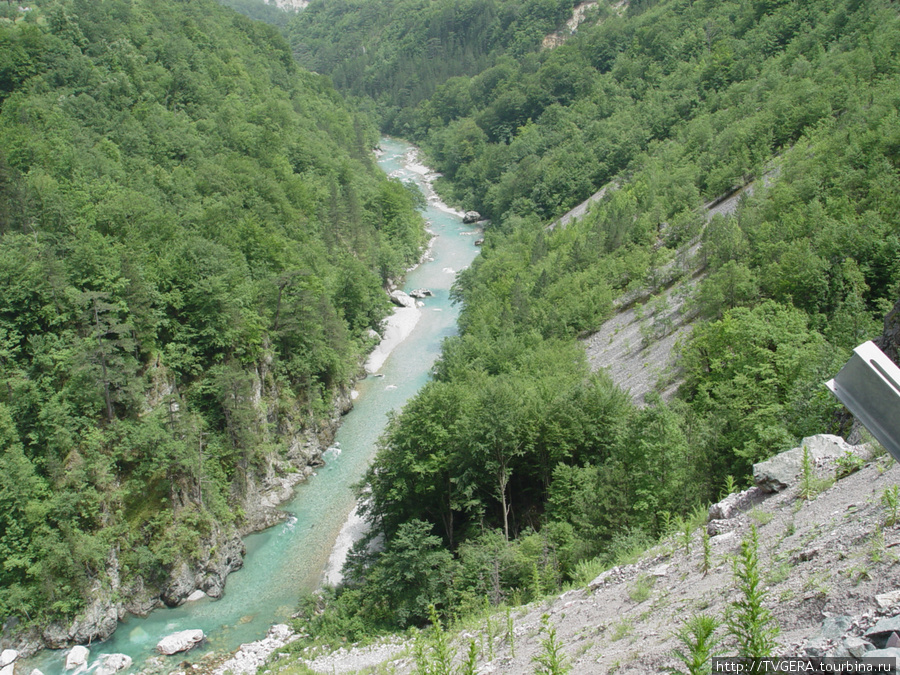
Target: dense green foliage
(194,242)
(260,10)
(713,90)
(515,456)
(398,51)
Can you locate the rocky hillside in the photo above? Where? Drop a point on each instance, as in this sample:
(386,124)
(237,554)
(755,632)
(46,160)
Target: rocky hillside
(827,557)
(637,344)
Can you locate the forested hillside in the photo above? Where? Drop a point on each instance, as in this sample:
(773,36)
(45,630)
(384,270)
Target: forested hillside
(194,243)
(395,52)
(516,466)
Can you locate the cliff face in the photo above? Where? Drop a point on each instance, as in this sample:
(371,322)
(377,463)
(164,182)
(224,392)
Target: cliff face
(889,342)
(296,441)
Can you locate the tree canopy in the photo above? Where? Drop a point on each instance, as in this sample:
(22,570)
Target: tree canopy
(522,461)
(194,243)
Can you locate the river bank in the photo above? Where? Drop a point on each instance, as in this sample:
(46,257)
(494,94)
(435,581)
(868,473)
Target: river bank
(289,559)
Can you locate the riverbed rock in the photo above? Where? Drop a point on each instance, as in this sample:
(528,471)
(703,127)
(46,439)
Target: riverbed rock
(7,656)
(196,595)
(471,217)
(401,299)
(252,655)
(77,657)
(224,554)
(113,663)
(181,641)
(421,293)
(97,622)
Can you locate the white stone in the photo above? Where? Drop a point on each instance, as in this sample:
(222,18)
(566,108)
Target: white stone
(113,663)
(36,672)
(886,600)
(8,670)
(603,578)
(723,539)
(280,631)
(77,657)
(660,570)
(196,595)
(179,642)
(402,299)
(7,657)
(780,471)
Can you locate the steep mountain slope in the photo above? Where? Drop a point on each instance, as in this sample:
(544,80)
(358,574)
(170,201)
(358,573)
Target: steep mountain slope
(517,464)
(194,243)
(398,51)
(827,566)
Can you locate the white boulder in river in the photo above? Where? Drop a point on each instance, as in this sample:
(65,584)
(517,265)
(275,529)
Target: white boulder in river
(7,657)
(113,663)
(77,657)
(401,299)
(180,642)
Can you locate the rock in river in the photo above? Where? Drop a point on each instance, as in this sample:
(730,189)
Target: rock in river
(401,299)
(7,657)
(77,657)
(180,642)
(113,663)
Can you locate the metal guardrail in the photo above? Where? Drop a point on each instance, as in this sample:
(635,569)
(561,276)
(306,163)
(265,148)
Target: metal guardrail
(869,385)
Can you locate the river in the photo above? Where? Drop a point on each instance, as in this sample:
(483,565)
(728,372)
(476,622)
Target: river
(289,559)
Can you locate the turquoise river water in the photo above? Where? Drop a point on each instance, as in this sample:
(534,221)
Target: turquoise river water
(288,559)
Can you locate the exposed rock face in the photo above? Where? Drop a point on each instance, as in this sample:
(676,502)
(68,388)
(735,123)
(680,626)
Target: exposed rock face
(735,503)
(180,642)
(209,575)
(779,472)
(97,622)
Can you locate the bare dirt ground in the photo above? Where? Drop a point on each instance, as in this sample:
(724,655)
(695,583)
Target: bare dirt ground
(637,345)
